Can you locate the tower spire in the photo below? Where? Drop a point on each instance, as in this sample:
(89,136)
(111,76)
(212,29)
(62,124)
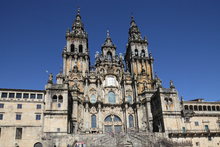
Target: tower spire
(108,41)
(78,27)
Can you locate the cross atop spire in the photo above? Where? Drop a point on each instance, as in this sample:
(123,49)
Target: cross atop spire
(108,34)
(78,11)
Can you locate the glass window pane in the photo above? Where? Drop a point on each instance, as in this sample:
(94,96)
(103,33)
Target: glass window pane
(116,118)
(33,96)
(118,128)
(111,97)
(129,99)
(4,95)
(1,105)
(1,116)
(18,95)
(39,96)
(38,106)
(26,95)
(11,95)
(108,128)
(93,98)
(131,121)
(93,121)
(108,119)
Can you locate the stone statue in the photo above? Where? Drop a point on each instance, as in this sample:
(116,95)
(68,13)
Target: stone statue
(80,126)
(171,84)
(50,80)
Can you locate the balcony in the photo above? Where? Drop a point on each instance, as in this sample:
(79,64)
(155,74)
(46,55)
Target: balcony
(193,133)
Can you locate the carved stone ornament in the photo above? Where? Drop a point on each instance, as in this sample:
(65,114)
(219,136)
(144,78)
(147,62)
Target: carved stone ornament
(93,110)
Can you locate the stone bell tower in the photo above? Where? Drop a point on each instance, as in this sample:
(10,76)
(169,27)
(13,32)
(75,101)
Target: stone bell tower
(138,60)
(76,52)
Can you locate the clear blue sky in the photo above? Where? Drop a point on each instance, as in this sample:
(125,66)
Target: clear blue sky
(183,35)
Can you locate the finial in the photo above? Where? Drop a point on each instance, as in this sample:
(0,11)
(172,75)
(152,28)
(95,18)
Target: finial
(50,79)
(171,84)
(132,17)
(108,34)
(78,11)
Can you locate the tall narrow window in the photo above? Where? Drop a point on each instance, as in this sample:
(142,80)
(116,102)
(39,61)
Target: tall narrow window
(206,128)
(38,117)
(129,99)
(93,99)
(80,48)
(184,129)
(111,97)
(1,116)
(131,121)
(109,56)
(143,53)
(136,52)
(93,118)
(11,95)
(18,134)
(72,48)
(1,105)
(60,99)
(54,98)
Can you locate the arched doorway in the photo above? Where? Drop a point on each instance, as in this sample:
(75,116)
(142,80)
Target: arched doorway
(38,144)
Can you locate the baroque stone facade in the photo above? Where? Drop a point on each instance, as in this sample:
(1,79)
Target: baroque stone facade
(118,102)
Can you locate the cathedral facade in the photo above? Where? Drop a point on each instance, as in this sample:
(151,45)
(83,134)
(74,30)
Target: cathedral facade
(117,102)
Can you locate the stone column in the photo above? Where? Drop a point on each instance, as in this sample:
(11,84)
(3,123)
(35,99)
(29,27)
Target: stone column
(74,115)
(64,64)
(149,116)
(125,118)
(139,116)
(99,126)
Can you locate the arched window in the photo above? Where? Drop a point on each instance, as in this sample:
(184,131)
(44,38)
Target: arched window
(116,118)
(200,108)
(72,48)
(131,121)
(38,144)
(191,107)
(80,48)
(113,123)
(136,52)
(209,108)
(108,119)
(217,108)
(213,108)
(143,53)
(204,108)
(54,98)
(186,107)
(111,97)
(195,108)
(129,99)
(93,98)
(93,121)
(109,56)
(60,99)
